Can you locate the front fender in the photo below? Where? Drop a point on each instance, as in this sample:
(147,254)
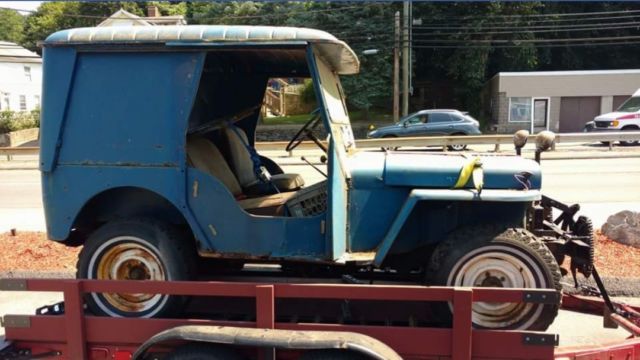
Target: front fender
(448,195)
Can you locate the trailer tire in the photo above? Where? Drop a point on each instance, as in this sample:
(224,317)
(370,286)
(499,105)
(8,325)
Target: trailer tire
(203,351)
(332,354)
(139,249)
(496,256)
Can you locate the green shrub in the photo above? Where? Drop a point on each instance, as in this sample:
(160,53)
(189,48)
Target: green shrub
(18,120)
(308,94)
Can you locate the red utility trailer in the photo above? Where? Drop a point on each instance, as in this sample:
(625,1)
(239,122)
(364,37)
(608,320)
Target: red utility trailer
(66,332)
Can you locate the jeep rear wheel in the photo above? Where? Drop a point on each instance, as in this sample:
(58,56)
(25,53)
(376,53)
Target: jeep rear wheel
(493,256)
(135,250)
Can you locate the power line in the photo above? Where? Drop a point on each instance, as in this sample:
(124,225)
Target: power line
(519,27)
(422,35)
(501,41)
(385,45)
(534,45)
(543,21)
(531,31)
(547,15)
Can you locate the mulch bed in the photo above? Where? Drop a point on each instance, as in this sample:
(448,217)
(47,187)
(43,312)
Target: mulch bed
(616,260)
(31,251)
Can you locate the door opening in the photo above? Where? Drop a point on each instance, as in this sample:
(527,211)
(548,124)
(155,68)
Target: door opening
(540,115)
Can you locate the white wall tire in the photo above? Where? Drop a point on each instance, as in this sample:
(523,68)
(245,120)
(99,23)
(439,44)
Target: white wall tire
(135,250)
(497,257)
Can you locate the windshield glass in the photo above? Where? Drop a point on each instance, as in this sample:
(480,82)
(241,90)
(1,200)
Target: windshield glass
(631,105)
(404,118)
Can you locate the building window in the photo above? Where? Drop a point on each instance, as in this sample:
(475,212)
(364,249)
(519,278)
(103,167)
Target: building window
(36,100)
(23,103)
(27,72)
(5,101)
(520,109)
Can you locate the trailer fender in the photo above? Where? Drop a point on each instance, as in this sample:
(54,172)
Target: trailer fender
(283,339)
(451,195)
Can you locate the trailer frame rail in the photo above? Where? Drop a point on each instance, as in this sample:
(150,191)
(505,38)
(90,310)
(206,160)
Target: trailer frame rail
(77,335)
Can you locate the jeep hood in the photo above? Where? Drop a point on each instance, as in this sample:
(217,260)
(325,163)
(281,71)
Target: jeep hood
(420,170)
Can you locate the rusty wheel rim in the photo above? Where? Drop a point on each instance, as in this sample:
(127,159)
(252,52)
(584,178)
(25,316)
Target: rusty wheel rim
(128,258)
(500,266)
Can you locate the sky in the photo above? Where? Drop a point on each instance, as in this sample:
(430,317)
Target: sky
(20,5)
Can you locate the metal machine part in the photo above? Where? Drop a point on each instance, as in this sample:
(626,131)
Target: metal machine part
(309,201)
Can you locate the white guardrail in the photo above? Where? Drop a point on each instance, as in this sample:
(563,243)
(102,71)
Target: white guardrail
(443,141)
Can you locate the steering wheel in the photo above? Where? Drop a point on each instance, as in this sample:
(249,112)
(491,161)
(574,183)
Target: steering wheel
(307,131)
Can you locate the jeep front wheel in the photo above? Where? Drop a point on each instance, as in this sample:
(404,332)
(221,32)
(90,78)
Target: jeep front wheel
(493,256)
(135,250)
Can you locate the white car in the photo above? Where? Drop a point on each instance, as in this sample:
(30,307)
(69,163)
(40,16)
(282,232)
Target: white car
(626,117)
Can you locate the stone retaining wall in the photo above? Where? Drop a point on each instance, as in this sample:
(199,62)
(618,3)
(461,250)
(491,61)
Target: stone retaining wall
(286,132)
(17,138)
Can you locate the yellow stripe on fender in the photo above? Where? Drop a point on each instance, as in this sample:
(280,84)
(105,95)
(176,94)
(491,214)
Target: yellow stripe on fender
(473,167)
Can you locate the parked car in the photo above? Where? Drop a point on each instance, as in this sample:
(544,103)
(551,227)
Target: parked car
(625,118)
(431,122)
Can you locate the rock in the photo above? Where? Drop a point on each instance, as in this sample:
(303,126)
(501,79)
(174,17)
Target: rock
(623,227)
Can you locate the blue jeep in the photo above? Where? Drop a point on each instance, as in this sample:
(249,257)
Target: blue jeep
(148,161)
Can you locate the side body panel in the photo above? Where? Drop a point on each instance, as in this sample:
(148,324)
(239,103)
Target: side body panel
(70,187)
(231,232)
(123,125)
(58,72)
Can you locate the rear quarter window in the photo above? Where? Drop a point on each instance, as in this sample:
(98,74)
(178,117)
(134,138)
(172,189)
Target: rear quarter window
(439,118)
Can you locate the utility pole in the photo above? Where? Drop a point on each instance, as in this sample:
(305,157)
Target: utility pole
(396,68)
(405,59)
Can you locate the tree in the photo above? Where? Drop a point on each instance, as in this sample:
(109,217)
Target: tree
(54,16)
(11,25)
(356,24)
(464,67)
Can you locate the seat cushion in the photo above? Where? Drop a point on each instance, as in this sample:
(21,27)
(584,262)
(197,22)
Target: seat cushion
(205,156)
(269,205)
(287,182)
(239,156)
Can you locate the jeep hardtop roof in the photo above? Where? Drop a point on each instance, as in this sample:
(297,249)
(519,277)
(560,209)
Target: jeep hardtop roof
(337,53)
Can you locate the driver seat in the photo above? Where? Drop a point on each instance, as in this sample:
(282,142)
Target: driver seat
(243,167)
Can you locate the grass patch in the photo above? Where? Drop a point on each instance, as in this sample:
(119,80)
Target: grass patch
(355,116)
(292,119)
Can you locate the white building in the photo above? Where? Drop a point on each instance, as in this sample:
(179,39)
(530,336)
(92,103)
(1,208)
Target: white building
(153,18)
(20,78)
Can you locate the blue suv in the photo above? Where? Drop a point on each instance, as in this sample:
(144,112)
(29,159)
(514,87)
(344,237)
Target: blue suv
(431,122)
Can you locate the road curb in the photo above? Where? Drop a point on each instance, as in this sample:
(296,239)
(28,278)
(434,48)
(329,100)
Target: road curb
(616,286)
(33,274)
